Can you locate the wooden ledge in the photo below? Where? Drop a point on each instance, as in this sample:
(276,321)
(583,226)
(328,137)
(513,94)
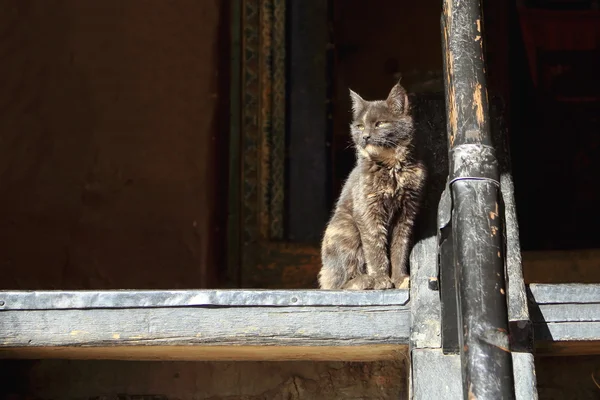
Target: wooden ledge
(243,325)
(566,318)
(205,325)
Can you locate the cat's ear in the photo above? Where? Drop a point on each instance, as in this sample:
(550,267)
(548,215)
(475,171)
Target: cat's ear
(358,103)
(397,100)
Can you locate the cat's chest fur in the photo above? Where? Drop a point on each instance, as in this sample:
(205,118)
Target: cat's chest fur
(383,187)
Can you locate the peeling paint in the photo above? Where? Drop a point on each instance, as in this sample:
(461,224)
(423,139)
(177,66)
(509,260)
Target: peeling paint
(447,11)
(497,338)
(452,113)
(471,394)
(478,104)
(495,213)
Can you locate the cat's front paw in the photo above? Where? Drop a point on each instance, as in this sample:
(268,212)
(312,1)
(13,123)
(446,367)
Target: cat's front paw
(361,282)
(369,282)
(402,282)
(381,282)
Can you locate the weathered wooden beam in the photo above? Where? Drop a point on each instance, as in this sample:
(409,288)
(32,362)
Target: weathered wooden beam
(205,325)
(437,375)
(258,325)
(564,293)
(566,318)
(428,363)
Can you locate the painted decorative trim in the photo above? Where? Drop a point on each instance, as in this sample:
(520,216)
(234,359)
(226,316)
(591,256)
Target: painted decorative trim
(258,256)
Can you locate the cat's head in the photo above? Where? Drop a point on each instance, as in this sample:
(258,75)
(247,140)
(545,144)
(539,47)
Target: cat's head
(381,125)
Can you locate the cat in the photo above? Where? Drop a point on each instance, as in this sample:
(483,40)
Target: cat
(366,242)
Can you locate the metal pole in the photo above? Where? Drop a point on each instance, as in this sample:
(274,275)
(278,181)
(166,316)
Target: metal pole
(476,208)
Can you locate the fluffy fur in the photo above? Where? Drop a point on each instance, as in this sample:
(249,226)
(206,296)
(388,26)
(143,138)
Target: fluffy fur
(366,243)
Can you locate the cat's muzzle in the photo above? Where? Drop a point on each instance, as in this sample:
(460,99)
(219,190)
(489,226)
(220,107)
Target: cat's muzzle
(365,140)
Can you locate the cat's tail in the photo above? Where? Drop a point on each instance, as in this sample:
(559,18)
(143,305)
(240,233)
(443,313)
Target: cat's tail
(341,253)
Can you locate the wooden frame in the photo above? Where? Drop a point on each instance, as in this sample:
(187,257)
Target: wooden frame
(274,325)
(259,257)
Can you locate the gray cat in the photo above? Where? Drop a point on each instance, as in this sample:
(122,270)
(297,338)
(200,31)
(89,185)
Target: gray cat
(367,240)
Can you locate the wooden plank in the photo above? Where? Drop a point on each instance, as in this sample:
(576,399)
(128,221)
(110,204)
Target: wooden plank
(524,375)
(553,306)
(566,313)
(309,326)
(429,114)
(429,365)
(145,324)
(567,331)
(435,375)
(518,313)
(565,293)
(566,318)
(520,327)
(212,353)
(426,328)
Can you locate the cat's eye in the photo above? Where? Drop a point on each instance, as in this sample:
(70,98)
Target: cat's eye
(360,127)
(381,124)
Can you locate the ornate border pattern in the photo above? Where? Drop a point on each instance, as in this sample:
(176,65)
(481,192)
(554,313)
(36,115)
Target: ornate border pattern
(249,121)
(266,260)
(277,143)
(263,122)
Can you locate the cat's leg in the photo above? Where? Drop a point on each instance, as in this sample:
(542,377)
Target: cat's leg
(374,237)
(341,253)
(399,253)
(401,235)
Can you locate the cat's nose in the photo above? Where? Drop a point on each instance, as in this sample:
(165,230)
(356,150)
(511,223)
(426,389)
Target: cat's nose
(366,136)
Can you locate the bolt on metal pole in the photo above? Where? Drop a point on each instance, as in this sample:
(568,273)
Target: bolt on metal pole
(477,213)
